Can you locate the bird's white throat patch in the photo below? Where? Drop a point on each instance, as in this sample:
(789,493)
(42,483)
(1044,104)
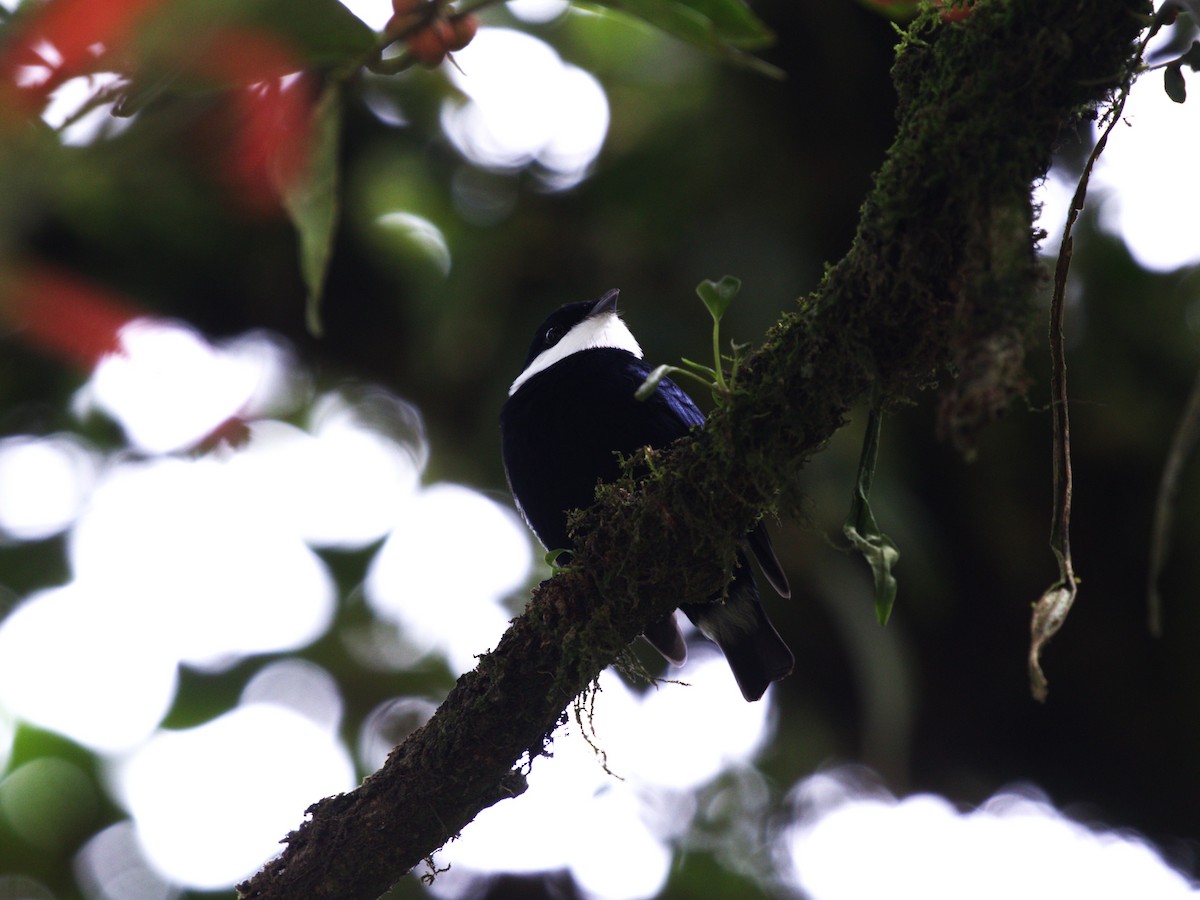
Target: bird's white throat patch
(604,330)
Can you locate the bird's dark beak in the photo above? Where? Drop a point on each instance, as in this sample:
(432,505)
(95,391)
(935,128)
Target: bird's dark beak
(606,304)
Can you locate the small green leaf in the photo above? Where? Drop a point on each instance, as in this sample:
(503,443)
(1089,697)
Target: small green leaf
(312,200)
(647,388)
(725,28)
(881,555)
(717,295)
(734,21)
(701,22)
(325,32)
(1173,82)
(552,557)
(862,531)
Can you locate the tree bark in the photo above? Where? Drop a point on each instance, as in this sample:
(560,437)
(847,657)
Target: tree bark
(940,282)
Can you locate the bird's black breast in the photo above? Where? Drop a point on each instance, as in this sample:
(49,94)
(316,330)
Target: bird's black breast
(562,428)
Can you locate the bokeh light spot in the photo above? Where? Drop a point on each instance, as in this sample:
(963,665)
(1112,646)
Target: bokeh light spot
(112,866)
(49,802)
(340,483)
(441,575)
(420,235)
(1052,199)
(615,823)
(1015,845)
(80,123)
(537,11)
(79,662)
(44,483)
(375,13)
(300,686)
(684,736)
(573,805)
(524,105)
(1147,192)
(387,725)
(168,387)
(202,560)
(481,197)
(212,802)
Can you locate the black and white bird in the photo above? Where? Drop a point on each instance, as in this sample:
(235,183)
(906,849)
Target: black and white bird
(568,414)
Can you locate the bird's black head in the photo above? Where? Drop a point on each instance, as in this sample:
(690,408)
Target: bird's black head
(575,327)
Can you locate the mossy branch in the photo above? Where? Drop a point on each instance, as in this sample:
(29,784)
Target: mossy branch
(940,279)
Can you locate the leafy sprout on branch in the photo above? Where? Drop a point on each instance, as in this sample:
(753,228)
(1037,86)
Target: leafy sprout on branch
(717,297)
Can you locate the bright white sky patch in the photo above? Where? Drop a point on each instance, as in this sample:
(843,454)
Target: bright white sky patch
(572,816)
(525,105)
(111,866)
(340,483)
(851,842)
(8,729)
(537,11)
(280,384)
(626,858)
(1143,187)
(168,387)
(442,574)
(212,802)
(67,104)
(209,571)
(298,685)
(1053,195)
(77,661)
(43,484)
(1149,191)
(681,737)
(582,115)
(387,725)
(375,13)
(662,743)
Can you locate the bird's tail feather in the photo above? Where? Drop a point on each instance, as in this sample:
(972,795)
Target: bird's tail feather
(753,648)
(668,640)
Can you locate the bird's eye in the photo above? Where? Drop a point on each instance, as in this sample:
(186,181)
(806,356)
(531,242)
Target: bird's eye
(553,335)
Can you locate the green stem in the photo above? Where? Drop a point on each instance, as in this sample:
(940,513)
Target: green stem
(699,379)
(717,366)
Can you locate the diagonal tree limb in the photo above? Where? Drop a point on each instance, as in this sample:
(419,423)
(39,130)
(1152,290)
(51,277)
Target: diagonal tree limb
(942,264)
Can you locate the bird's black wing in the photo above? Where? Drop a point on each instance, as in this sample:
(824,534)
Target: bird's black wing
(562,431)
(759,541)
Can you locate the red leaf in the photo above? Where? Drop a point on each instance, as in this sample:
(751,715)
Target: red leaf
(65,316)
